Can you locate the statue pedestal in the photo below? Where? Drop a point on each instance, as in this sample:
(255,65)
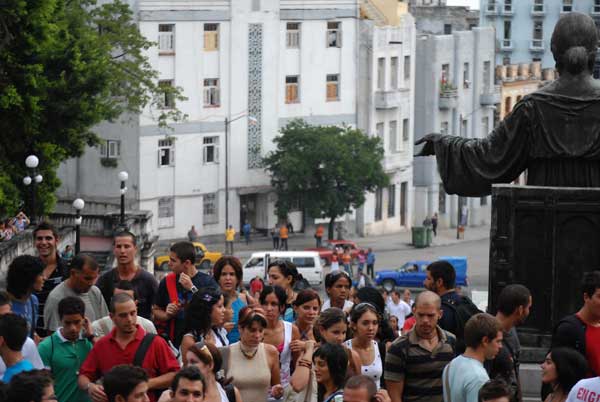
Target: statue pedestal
(544,238)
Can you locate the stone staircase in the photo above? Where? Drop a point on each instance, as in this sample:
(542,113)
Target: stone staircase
(103,258)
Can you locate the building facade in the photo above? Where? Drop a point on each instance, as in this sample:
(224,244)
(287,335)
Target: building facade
(258,64)
(524,27)
(457,95)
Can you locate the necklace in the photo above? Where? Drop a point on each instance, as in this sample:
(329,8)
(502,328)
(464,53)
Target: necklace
(248,356)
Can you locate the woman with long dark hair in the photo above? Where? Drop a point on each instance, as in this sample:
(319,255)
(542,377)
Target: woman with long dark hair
(306,307)
(330,363)
(284,273)
(204,319)
(337,286)
(364,321)
(331,327)
(561,369)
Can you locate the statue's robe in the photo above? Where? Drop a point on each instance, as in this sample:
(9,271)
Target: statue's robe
(556,138)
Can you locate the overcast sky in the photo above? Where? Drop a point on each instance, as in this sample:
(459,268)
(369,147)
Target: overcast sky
(470,3)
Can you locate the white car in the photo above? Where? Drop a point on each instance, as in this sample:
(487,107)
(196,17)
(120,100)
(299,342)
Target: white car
(308,264)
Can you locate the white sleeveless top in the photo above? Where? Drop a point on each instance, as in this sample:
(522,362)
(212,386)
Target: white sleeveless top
(373,370)
(222,393)
(285,357)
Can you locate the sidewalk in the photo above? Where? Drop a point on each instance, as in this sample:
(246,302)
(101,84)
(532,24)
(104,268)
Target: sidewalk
(301,241)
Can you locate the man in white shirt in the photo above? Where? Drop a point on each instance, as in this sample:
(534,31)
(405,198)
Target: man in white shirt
(464,376)
(398,308)
(29,350)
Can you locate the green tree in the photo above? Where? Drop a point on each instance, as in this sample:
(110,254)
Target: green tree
(65,66)
(328,169)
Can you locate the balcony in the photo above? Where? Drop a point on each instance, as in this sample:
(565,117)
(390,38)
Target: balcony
(492,10)
(507,10)
(490,96)
(506,45)
(538,10)
(448,96)
(536,45)
(388,99)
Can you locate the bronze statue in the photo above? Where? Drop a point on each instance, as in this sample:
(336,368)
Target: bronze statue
(553,133)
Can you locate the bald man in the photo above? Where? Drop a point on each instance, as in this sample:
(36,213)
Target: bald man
(415,361)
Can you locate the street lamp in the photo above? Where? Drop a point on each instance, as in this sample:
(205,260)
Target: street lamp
(78,204)
(32,163)
(251,120)
(123,176)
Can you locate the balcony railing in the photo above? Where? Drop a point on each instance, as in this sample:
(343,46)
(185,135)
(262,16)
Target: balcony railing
(388,99)
(448,96)
(490,95)
(536,45)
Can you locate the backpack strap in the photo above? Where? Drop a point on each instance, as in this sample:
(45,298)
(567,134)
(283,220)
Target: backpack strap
(230,392)
(141,351)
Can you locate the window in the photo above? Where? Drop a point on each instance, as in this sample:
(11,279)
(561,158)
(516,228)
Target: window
(405,130)
(487,78)
(403,197)
(166,212)
(334,34)
(255,5)
(211,92)
(491,6)
(508,6)
(507,105)
(378,204)
(292,35)
(166,38)
(519,97)
(291,89)
(445,73)
(538,33)
(538,6)
(466,76)
(567,6)
(166,101)
(596,6)
(379,131)
(333,87)
(211,37)
(507,33)
(444,128)
(391,212)
(166,152)
(210,149)
(209,209)
(393,136)
(394,72)
(406,68)
(110,149)
(381,73)
(447,29)
(442,199)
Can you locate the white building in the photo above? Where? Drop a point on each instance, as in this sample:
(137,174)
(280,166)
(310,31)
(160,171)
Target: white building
(273,60)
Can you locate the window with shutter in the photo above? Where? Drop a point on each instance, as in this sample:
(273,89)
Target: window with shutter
(333,90)
(291,89)
(166,153)
(211,37)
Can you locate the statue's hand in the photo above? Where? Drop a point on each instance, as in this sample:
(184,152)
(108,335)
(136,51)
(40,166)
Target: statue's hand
(429,140)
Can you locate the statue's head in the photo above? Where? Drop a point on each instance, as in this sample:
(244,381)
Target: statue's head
(574,43)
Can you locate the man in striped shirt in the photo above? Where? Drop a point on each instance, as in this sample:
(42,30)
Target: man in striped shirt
(415,361)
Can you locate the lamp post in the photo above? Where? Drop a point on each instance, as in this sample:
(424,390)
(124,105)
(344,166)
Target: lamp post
(123,176)
(32,163)
(78,204)
(251,120)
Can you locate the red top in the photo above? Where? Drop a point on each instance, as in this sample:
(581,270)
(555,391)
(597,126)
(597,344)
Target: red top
(107,353)
(592,347)
(256,286)
(409,323)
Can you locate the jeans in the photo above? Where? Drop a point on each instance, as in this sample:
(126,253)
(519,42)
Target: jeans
(229,247)
(284,244)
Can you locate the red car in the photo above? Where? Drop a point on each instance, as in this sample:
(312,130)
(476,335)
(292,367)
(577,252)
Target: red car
(329,246)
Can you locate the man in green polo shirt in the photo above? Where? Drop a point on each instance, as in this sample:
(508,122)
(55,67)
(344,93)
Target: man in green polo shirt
(65,351)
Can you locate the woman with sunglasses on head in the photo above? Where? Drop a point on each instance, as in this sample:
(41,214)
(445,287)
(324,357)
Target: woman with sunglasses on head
(330,362)
(364,322)
(284,273)
(228,274)
(331,327)
(204,319)
(253,364)
(337,286)
(279,333)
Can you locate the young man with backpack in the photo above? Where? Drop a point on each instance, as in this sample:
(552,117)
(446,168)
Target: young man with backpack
(456,309)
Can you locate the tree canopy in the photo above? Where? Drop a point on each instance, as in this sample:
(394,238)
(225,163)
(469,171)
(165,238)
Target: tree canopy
(65,66)
(327,169)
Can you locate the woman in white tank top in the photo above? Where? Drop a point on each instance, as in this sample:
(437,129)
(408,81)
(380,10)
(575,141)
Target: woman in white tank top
(364,321)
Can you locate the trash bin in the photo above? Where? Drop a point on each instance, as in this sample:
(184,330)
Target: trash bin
(429,236)
(419,236)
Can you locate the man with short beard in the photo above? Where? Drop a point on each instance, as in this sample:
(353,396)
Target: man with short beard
(45,238)
(513,305)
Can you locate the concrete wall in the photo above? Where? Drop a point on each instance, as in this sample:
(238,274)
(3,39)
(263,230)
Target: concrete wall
(432,19)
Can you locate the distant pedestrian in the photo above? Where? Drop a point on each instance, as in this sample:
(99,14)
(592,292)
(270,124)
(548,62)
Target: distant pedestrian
(256,286)
(434,223)
(398,307)
(347,261)
(192,234)
(229,239)
(290,227)
(319,235)
(68,253)
(406,296)
(371,263)
(246,230)
(335,264)
(362,258)
(275,237)
(283,235)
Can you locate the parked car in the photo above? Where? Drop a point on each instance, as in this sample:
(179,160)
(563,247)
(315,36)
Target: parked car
(413,273)
(329,247)
(308,264)
(204,259)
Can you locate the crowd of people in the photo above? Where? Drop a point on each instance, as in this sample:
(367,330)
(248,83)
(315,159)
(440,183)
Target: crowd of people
(71,333)
(9,227)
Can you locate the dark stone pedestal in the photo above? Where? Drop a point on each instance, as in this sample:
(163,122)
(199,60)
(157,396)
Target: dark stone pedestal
(544,238)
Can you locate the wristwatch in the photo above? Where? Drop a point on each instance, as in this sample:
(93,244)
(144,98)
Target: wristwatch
(194,289)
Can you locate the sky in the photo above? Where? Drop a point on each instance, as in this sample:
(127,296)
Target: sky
(471,3)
